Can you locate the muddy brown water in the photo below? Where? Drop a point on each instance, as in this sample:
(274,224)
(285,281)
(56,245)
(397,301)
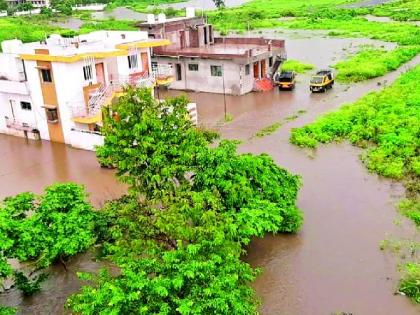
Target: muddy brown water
(334,264)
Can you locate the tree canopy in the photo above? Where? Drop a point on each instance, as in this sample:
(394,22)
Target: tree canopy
(43,229)
(178,237)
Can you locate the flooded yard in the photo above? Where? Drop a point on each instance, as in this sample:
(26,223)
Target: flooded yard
(333,265)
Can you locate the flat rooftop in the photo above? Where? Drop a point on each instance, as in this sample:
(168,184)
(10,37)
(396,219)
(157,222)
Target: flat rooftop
(226,48)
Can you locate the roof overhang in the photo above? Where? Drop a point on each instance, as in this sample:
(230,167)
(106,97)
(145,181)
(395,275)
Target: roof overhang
(145,44)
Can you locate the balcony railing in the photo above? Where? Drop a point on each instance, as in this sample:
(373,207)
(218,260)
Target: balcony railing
(104,93)
(160,71)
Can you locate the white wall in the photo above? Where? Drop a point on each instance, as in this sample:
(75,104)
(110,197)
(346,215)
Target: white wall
(34,87)
(85,140)
(202,80)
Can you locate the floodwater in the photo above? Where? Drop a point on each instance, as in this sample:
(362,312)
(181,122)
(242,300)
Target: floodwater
(367,3)
(334,264)
(120,13)
(203,4)
(70,23)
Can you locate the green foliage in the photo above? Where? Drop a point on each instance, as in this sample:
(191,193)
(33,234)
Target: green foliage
(389,119)
(4,310)
(27,29)
(411,209)
(42,229)
(372,62)
(111,24)
(63,6)
(3,5)
(26,285)
(177,238)
(410,283)
(147,158)
(25,6)
(264,13)
(401,10)
(296,65)
(47,12)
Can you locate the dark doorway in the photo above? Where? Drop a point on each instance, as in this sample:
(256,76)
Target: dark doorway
(178,72)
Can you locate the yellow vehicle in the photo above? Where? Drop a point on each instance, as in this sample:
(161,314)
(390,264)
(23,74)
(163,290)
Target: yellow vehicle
(285,80)
(322,81)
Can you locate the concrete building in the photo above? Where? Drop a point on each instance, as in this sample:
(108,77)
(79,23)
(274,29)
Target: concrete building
(203,62)
(55,89)
(35,3)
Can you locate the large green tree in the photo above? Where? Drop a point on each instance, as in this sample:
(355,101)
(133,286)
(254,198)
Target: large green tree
(177,237)
(47,228)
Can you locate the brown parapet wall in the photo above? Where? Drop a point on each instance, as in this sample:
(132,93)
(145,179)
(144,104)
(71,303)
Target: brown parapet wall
(249,41)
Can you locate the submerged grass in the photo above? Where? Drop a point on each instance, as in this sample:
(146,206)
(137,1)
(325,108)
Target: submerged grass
(268,130)
(410,282)
(387,124)
(297,66)
(389,119)
(373,62)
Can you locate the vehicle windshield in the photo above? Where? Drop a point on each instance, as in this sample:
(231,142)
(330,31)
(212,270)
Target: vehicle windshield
(285,79)
(317,80)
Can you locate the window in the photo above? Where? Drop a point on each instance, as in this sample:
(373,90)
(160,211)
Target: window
(216,71)
(193,66)
(25,105)
(87,72)
(247,69)
(46,75)
(132,62)
(270,61)
(52,115)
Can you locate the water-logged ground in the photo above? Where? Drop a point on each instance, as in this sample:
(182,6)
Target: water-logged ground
(333,264)
(203,4)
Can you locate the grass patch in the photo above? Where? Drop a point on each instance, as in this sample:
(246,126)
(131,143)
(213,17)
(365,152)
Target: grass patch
(265,13)
(297,66)
(373,62)
(402,10)
(268,130)
(410,282)
(411,209)
(111,25)
(27,29)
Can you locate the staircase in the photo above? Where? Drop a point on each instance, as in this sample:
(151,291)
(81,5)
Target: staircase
(277,63)
(104,94)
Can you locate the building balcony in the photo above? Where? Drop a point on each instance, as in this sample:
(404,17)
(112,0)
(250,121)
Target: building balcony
(92,112)
(163,74)
(13,87)
(19,125)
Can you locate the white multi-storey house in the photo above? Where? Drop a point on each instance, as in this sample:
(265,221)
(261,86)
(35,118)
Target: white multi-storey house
(55,89)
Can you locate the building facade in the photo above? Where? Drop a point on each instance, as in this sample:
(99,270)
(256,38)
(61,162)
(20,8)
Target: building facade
(203,62)
(35,3)
(55,89)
